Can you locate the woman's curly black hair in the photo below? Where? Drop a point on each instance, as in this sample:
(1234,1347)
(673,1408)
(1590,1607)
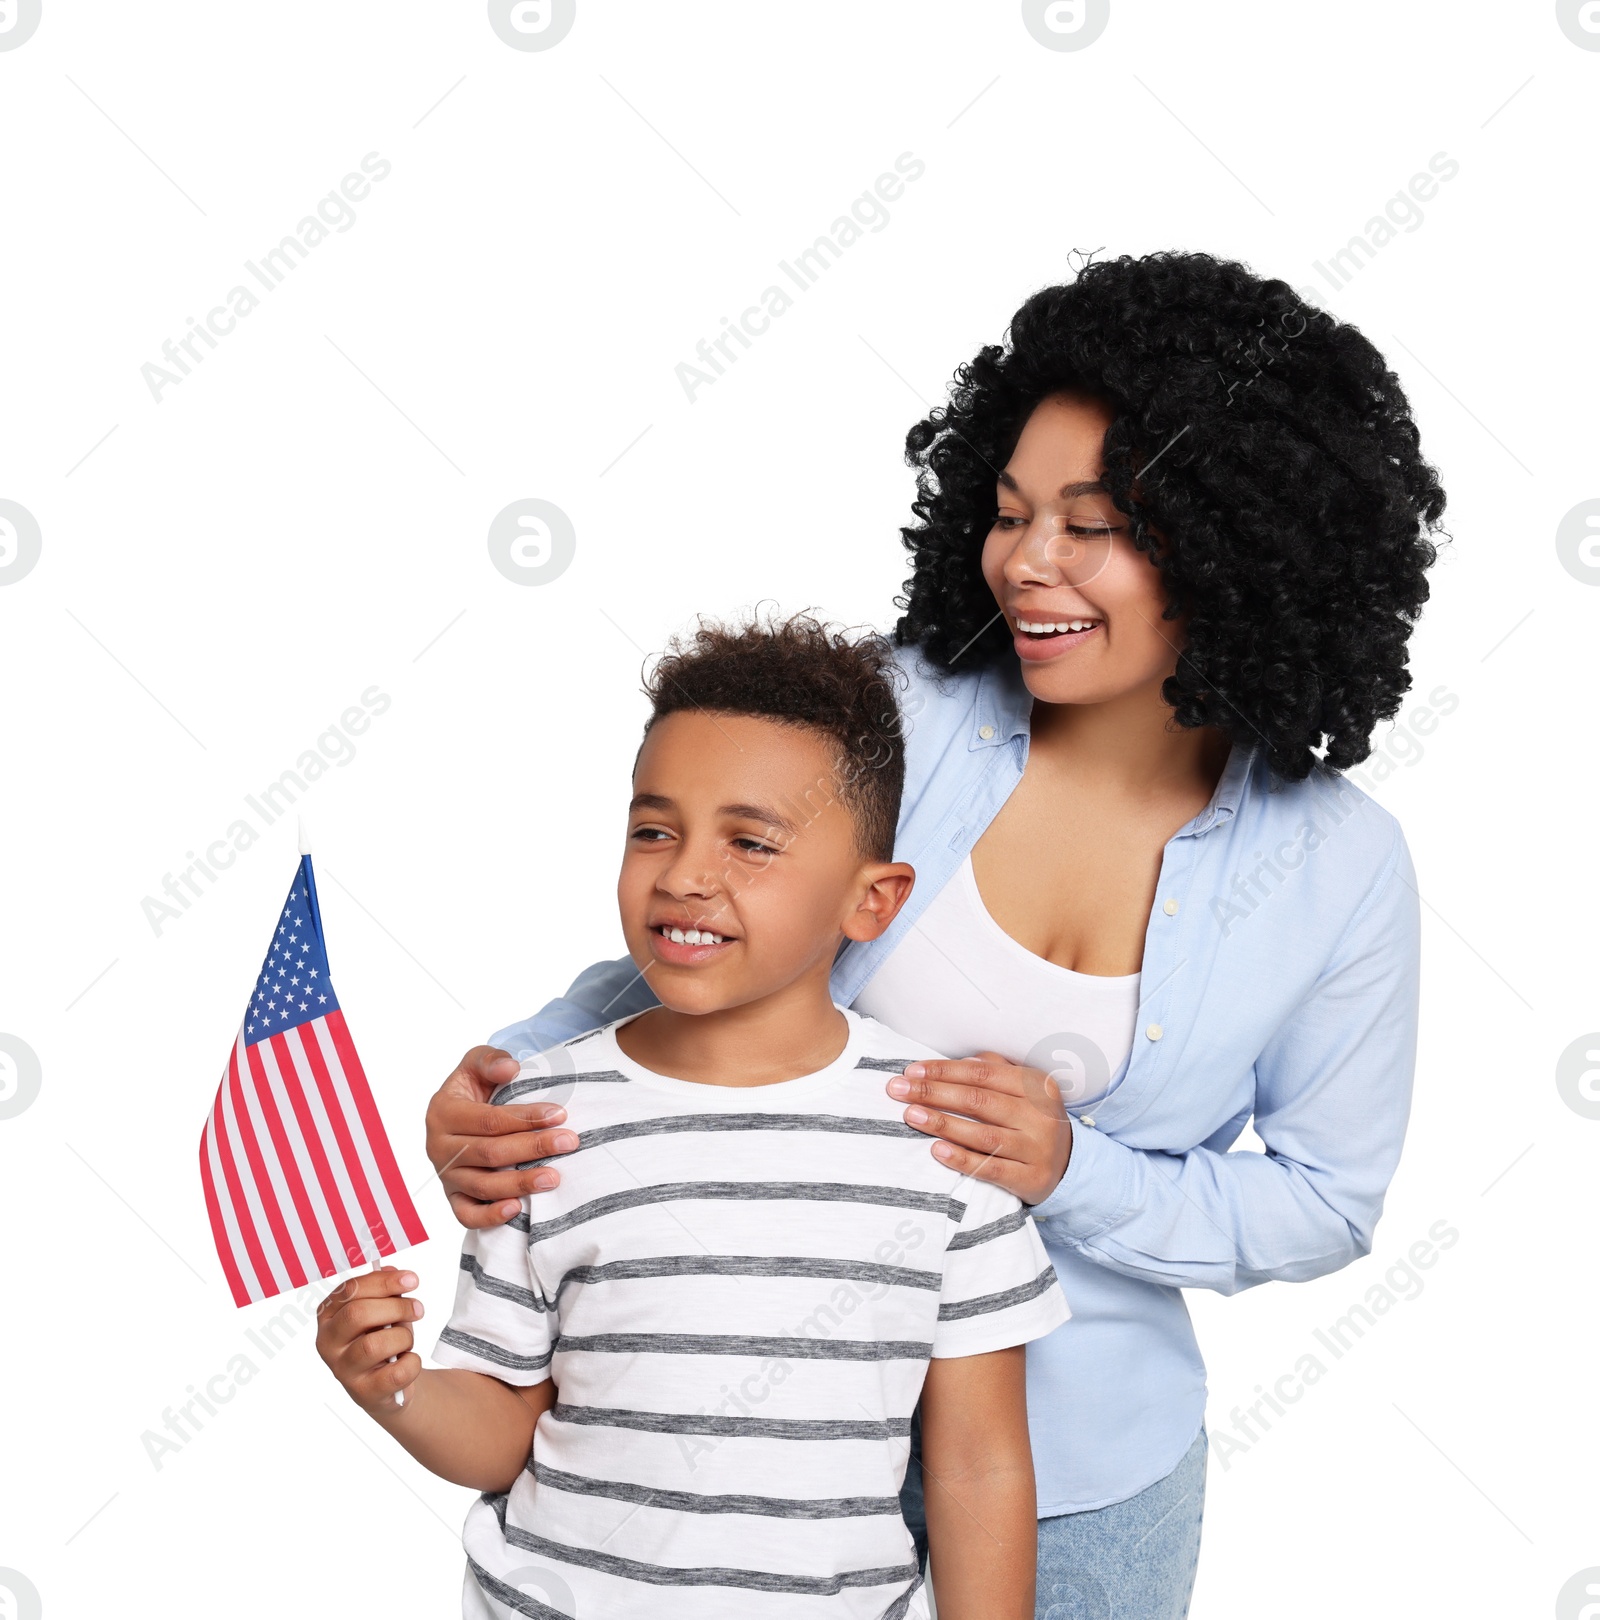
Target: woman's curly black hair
(1266,457)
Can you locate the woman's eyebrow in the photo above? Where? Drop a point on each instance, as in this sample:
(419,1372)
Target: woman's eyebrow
(1091,486)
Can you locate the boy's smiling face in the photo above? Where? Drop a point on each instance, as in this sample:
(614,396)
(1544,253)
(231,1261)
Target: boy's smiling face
(737,830)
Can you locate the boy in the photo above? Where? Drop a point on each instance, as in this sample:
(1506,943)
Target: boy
(684,1379)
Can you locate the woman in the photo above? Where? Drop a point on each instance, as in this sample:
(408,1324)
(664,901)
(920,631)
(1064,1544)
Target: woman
(1170,544)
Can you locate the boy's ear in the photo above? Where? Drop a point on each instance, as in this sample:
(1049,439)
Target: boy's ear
(888,886)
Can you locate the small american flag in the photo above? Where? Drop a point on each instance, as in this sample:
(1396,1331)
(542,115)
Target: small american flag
(299,1176)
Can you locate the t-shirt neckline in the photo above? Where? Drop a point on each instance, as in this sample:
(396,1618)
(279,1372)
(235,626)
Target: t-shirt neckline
(739,1097)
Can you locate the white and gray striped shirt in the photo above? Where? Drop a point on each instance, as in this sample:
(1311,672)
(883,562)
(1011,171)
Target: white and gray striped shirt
(737,1291)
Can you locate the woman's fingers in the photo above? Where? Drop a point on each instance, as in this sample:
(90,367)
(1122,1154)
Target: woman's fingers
(983,1087)
(478,1216)
(481,1072)
(958,1095)
(517,1141)
(458,1108)
(479,1134)
(1003,1172)
(485,1198)
(495,1186)
(1029,1169)
(998,1121)
(475,1145)
(461,1109)
(475,1153)
(981,1138)
(987,1072)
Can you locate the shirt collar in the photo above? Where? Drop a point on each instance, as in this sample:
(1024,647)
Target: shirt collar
(1003,707)
(1230,789)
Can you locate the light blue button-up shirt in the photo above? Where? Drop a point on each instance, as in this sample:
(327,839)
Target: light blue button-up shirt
(1279,985)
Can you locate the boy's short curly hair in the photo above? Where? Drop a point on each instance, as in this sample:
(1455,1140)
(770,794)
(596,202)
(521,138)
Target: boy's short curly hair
(1267,444)
(801,672)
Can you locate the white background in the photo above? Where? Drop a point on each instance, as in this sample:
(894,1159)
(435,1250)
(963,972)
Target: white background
(305,516)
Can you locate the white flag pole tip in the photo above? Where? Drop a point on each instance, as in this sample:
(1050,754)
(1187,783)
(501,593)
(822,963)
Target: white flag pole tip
(305,838)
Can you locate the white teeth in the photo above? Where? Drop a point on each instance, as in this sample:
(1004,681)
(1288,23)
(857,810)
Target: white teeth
(691,936)
(1056,629)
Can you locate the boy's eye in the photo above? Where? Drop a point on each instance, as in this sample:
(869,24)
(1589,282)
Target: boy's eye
(755,845)
(649,834)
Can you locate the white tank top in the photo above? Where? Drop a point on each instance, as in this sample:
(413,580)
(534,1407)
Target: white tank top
(958,982)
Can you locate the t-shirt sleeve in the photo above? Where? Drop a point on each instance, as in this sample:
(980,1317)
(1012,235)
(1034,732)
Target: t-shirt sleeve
(502,1323)
(999,1286)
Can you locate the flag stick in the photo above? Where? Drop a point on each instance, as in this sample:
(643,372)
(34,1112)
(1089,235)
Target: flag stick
(377,1260)
(399,1394)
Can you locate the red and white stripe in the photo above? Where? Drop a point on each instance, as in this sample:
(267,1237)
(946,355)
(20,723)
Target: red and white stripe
(299,1177)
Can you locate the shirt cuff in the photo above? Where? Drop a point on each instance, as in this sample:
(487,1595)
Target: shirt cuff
(457,1348)
(1017,1325)
(1097,1189)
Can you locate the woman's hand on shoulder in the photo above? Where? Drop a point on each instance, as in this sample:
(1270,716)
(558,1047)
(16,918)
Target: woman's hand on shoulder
(996,1121)
(475,1145)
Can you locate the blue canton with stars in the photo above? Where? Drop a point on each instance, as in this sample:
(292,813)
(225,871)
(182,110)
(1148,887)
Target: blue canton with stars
(293,987)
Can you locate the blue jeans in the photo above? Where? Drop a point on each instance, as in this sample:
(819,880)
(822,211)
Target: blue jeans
(1134,1560)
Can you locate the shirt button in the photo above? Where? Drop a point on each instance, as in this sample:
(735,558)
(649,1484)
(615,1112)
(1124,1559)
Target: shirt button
(1171,908)
(1154,1032)
(1086,1119)
(986,732)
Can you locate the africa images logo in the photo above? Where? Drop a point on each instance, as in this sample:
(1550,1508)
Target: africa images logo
(532,25)
(18,20)
(20,541)
(20,1079)
(1066,25)
(19,1597)
(1580,22)
(1578,536)
(532,542)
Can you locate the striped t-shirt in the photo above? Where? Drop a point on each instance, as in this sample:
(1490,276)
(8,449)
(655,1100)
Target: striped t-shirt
(737,1291)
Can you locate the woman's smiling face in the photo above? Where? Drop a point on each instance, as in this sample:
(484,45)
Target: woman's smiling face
(1084,605)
